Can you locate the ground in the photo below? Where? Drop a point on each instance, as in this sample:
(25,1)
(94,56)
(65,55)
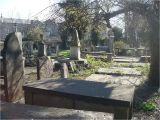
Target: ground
(143,93)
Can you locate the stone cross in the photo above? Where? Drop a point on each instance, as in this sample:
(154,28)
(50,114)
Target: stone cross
(75,46)
(13,63)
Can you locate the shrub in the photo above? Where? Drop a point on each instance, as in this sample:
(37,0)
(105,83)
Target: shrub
(120,44)
(144,70)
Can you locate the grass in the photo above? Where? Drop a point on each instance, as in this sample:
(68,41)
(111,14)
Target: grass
(94,65)
(64,53)
(144,70)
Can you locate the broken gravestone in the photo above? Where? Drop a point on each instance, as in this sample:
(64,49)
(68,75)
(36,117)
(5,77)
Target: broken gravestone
(13,63)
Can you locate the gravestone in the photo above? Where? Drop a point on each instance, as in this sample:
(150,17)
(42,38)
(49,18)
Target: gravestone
(13,63)
(44,67)
(57,49)
(64,70)
(42,50)
(27,48)
(111,40)
(75,53)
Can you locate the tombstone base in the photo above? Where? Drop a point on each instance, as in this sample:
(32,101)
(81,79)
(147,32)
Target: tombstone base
(75,53)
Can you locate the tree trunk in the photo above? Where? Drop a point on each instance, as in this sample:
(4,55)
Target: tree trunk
(154,42)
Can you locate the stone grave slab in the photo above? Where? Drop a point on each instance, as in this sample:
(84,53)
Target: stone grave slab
(126,59)
(119,71)
(22,111)
(131,65)
(82,95)
(126,80)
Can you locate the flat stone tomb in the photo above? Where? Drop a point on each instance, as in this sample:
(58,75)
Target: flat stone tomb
(131,65)
(21,111)
(119,71)
(126,59)
(82,95)
(126,80)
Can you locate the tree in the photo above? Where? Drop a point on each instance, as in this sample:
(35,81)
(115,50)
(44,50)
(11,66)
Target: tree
(35,34)
(75,16)
(117,33)
(150,10)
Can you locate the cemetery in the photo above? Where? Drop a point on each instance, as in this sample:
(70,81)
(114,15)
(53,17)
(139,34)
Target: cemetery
(83,67)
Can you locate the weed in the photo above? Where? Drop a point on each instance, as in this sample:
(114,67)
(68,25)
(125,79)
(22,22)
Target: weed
(148,106)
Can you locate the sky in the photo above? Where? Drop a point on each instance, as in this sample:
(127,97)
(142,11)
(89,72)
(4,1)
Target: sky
(23,9)
(26,9)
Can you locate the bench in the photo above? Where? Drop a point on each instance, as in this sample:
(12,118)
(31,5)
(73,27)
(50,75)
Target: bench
(82,95)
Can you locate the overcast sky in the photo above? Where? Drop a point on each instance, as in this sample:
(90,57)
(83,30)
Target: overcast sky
(22,8)
(25,9)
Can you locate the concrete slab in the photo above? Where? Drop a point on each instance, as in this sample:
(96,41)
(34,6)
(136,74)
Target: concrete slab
(126,80)
(119,71)
(126,59)
(22,111)
(131,65)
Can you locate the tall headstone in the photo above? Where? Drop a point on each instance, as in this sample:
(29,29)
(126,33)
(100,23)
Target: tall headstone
(42,50)
(13,63)
(111,40)
(75,53)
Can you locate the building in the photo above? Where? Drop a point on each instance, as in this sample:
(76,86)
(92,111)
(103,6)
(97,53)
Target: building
(50,29)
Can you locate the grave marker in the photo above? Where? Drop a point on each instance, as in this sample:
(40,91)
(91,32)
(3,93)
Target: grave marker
(13,63)
(44,67)
(42,50)
(75,53)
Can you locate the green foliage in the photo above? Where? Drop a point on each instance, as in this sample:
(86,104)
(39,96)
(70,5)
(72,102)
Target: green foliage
(64,53)
(144,69)
(94,64)
(120,44)
(35,34)
(75,16)
(148,106)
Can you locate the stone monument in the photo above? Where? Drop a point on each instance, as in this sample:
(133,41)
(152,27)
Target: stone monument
(13,64)
(111,40)
(44,67)
(75,53)
(42,50)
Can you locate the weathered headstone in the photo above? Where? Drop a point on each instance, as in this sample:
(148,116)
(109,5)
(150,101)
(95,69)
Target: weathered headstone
(64,70)
(109,56)
(57,49)
(111,40)
(44,67)
(27,48)
(42,50)
(75,53)
(13,63)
